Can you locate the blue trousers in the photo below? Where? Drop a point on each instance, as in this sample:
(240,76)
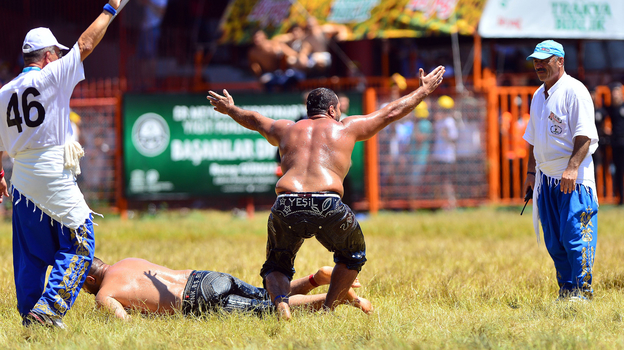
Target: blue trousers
(39,242)
(570,224)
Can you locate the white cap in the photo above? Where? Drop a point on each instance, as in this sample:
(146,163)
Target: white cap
(38,38)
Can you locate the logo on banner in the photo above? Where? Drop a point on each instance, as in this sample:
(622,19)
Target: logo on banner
(150,134)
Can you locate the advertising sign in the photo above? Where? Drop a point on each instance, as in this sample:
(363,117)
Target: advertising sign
(552,19)
(178,146)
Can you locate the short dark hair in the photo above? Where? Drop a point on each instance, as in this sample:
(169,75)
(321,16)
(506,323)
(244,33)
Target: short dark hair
(615,85)
(319,101)
(96,266)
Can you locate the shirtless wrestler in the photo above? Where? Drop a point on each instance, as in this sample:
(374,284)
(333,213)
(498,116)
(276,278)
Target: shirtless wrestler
(316,156)
(138,284)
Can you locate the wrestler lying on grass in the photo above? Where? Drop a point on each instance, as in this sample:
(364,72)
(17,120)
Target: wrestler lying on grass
(137,284)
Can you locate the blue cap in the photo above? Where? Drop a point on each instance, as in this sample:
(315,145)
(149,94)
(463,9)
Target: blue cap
(546,49)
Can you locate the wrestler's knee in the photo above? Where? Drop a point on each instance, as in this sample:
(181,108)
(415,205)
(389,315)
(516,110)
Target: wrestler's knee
(281,261)
(353,261)
(222,285)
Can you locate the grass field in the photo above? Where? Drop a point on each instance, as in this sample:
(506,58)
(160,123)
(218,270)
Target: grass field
(466,279)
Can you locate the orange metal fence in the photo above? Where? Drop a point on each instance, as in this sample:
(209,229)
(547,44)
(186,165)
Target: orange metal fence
(507,114)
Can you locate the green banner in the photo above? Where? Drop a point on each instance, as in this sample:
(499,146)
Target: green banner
(178,146)
(358,19)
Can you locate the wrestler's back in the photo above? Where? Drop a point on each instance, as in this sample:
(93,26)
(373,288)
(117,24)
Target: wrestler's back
(140,284)
(315,156)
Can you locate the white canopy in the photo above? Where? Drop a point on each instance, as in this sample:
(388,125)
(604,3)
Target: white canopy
(552,19)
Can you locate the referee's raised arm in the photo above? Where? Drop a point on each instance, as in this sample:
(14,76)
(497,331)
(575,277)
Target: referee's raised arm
(91,37)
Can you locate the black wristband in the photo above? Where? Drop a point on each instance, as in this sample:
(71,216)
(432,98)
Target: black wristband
(531,172)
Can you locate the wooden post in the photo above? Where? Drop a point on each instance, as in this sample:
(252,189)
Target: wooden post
(476,63)
(385,58)
(122,202)
(371,157)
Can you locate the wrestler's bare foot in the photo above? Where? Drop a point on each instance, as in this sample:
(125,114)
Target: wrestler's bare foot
(364,305)
(283,310)
(359,302)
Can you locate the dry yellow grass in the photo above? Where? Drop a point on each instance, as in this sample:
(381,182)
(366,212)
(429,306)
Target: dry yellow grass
(467,279)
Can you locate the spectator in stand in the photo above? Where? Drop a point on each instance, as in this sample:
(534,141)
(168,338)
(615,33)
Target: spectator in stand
(394,170)
(5,73)
(423,132)
(153,14)
(265,60)
(616,113)
(296,59)
(319,37)
(444,150)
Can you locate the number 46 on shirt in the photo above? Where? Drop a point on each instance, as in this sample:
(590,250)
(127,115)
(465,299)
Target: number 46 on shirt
(14,117)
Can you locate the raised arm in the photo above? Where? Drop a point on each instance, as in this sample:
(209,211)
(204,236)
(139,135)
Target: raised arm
(364,127)
(113,305)
(251,120)
(91,37)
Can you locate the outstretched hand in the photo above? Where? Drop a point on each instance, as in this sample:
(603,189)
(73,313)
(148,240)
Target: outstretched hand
(431,81)
(222,104)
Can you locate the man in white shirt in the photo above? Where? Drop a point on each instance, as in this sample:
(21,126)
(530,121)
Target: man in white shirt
(562,137)
(52,223)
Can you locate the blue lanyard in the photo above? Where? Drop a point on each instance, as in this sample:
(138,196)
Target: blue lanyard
(28,69)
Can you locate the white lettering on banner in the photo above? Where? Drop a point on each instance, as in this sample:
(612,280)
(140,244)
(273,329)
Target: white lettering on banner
(218,149)
(264,150)
(246,188)
(199,127)
(247,168)
(252,176)
(204,120)
(147,181)
(241,180)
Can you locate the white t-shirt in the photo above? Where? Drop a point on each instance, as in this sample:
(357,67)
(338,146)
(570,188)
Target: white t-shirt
(44,95)
(37,140)
(568,112)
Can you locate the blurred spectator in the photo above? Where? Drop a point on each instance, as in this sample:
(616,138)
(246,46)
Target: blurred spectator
(394,171)
(603,137)
(319,38)
(423,132)
(265,59)
(153,13)
(616,113)
(444,152)
(5,73)
(75,120)
(297,50)
(344,105)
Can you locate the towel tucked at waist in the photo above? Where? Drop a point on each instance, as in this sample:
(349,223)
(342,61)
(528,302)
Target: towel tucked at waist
(41,177)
